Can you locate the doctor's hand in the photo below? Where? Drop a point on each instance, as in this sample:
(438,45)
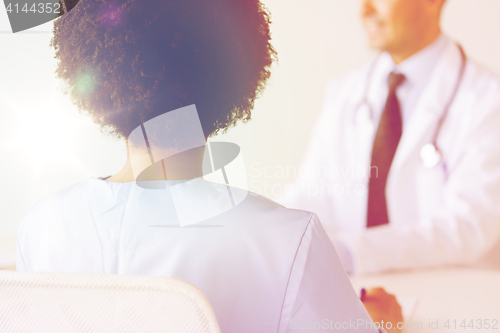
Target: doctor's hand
(383,308)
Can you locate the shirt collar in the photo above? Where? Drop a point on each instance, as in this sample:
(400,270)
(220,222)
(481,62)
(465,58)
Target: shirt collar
(418,68)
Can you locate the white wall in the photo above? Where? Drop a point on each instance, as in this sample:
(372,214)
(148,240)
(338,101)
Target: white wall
(46,145)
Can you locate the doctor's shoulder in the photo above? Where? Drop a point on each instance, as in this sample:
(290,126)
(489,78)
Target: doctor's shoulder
(482,82)
(340,86)
(341,91)
(478,100)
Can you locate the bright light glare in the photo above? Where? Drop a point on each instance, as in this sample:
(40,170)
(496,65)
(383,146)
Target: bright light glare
(44,137)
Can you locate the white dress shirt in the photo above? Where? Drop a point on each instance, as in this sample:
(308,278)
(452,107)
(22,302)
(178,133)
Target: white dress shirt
(263,268)
(417,70)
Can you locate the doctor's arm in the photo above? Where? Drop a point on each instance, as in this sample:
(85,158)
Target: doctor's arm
(465,227)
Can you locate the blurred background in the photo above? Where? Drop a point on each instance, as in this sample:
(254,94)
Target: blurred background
(46,145)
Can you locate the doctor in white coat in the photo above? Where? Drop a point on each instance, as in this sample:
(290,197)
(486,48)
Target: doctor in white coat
(403,167)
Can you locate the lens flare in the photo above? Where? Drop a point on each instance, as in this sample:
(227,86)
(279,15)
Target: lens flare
(112,16)
(85,83)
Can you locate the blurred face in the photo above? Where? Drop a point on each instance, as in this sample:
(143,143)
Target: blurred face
(393,25)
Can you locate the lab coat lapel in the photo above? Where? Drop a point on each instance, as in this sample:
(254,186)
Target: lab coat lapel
(424,118)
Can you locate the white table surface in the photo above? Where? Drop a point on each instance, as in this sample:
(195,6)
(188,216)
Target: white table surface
(444,294)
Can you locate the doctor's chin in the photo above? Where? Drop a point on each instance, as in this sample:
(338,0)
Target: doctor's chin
(249,166)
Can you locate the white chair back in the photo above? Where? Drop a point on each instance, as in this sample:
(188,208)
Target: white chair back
(85,303)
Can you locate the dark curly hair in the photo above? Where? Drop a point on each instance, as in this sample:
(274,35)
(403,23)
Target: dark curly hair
(127,61)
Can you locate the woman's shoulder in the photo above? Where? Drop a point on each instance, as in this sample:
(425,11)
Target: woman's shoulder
(49,208)
(258,210)
(58,196)
(55,230)
(267,204)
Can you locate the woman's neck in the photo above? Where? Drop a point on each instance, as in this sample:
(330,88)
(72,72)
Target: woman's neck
(184,165)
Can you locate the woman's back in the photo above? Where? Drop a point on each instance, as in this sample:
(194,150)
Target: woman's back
(264,268)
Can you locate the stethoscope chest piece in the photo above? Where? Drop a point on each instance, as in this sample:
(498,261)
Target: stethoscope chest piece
(430,155)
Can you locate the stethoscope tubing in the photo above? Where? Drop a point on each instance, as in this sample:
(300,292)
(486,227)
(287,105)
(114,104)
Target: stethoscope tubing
(453,96)
(433,142)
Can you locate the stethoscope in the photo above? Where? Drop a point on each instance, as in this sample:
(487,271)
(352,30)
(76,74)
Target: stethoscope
(430,153)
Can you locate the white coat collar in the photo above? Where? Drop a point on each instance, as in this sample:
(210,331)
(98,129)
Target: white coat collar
(418,68)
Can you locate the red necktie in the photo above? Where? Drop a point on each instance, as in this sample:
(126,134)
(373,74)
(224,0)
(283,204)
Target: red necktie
(386,141)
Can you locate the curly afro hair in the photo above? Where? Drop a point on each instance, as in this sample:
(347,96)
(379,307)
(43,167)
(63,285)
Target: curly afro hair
(128,61)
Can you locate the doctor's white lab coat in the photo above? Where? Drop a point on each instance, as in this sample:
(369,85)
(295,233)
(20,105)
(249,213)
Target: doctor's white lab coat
(449,214)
